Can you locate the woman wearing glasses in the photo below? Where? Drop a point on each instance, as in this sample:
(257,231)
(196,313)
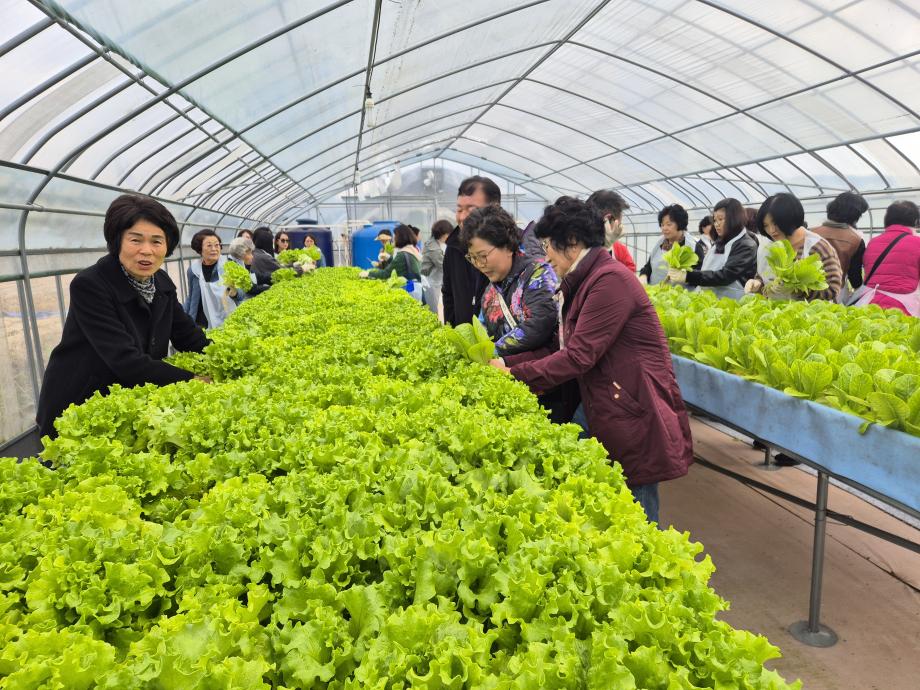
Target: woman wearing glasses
(282,242)
(611,342)
(207,301)
(517,309)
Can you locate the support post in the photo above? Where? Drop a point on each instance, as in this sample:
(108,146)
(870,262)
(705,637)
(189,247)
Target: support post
(60,297)
(811,632)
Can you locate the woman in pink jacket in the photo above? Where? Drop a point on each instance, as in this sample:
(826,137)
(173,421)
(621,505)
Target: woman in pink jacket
(892,261)
(611,342)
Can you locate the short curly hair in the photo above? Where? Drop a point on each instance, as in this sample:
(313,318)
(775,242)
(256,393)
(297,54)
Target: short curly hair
(570,221)
(198,238)
(677,214)
(494,225)
(127,210)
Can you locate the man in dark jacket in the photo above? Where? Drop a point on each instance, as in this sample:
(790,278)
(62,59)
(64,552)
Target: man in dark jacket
(123,314)
(464,283)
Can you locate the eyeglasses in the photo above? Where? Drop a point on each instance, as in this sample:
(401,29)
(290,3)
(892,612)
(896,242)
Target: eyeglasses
(545,245)
(479,259)
(284,240)
(212,245)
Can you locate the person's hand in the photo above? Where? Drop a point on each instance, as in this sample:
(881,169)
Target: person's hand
(499,364)
(643,279)
(753,285)
(677,276)
(231,292)
(776,290)
(205,379)
(364,274)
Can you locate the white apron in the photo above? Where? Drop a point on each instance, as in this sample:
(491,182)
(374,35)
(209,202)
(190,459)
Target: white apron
(658,264)
(714,262)
(214,300)
(910,300)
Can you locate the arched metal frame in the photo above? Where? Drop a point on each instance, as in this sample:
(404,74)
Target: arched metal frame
(252,183)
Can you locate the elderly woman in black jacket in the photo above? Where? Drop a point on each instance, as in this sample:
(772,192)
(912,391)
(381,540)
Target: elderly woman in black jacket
(123,314)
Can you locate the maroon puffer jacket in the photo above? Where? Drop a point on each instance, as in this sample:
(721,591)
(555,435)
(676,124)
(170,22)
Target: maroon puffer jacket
(617,351)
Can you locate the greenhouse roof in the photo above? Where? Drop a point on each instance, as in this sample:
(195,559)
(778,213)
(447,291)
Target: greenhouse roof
(258,111)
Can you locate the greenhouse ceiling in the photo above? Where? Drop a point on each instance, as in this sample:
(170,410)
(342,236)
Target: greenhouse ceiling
(259,110)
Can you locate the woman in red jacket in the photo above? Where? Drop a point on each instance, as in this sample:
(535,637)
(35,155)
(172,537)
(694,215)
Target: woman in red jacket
(611,341)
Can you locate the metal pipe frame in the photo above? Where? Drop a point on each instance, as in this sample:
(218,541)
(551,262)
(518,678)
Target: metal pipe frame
(375,64)
(176,88)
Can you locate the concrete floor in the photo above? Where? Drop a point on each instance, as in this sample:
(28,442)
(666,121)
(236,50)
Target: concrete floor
(762,548)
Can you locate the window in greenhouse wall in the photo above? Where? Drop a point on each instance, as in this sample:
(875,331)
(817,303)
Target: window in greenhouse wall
(17,400)
(56,232)
(16,184)
(65,193)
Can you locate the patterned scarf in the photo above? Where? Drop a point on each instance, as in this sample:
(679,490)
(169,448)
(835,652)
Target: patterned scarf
(146,288)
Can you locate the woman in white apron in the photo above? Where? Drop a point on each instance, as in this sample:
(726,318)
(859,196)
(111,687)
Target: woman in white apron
(207,301)
(672,220)
(731,261)
(782,217)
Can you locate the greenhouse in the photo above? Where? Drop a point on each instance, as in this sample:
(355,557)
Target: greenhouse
(503,345)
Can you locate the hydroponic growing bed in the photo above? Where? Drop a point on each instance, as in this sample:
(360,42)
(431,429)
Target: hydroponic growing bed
(349,505)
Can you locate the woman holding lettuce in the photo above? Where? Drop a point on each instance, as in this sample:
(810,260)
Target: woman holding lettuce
(731,261)
(783,218)
(611,342)
(672,220)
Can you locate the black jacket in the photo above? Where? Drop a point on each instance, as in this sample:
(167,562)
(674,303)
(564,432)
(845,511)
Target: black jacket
(463,283)
(741,265)
(112,336)
(263,265)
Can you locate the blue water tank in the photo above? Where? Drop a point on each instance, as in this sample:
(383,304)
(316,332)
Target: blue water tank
(323,239)
(364,248)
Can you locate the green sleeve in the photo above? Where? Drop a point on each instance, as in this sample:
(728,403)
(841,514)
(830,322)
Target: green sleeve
(384,273)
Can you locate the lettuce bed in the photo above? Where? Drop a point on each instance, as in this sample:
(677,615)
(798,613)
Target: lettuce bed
(865,361)
(349,505)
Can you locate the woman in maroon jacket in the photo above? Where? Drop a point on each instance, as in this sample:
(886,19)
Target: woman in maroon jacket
(611,341)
